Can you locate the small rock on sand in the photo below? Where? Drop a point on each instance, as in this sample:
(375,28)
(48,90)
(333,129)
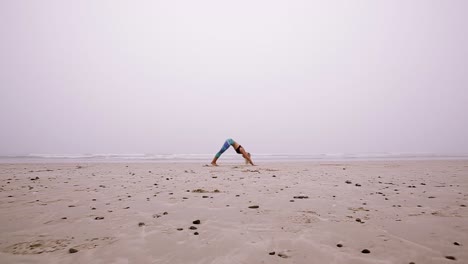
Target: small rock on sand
(141,224)
(450,257)
(196,222)
(72,250)
(301,197)
(365,251)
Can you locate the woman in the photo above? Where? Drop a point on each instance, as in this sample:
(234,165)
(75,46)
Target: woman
(238,148)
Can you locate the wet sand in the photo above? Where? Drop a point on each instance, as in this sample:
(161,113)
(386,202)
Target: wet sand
(296,212)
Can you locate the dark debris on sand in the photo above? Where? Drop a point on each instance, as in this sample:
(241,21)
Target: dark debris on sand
(301,197)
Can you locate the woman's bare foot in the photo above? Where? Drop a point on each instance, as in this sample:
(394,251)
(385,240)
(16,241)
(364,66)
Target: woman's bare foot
(214,164)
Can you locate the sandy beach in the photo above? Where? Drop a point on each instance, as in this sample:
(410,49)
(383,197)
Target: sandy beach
(290,212)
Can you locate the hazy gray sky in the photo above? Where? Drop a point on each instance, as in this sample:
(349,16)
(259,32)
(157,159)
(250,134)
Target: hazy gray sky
(277,76)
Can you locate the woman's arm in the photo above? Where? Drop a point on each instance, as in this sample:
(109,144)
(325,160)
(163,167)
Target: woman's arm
(246,156)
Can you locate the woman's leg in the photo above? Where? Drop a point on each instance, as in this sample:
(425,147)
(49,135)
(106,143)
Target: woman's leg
(225,146)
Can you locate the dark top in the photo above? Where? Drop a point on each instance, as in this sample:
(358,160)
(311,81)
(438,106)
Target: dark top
(237,149)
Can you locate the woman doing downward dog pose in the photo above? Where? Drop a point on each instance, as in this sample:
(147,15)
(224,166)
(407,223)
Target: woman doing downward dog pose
(238,148)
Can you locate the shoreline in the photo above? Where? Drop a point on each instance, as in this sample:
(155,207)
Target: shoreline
(227,161)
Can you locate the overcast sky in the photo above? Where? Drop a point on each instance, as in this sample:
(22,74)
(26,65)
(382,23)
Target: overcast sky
(277,76)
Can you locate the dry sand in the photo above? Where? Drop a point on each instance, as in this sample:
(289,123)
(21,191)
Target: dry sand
(401,211)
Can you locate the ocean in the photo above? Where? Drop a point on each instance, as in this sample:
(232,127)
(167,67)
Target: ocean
(206,158)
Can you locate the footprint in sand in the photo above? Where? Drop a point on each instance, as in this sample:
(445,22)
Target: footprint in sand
(37,246)
(295,223)
(95,242)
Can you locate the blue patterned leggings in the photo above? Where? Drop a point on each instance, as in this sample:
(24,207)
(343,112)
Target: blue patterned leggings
(229,142)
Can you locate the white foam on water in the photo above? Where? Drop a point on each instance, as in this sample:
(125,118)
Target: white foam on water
(139,157)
